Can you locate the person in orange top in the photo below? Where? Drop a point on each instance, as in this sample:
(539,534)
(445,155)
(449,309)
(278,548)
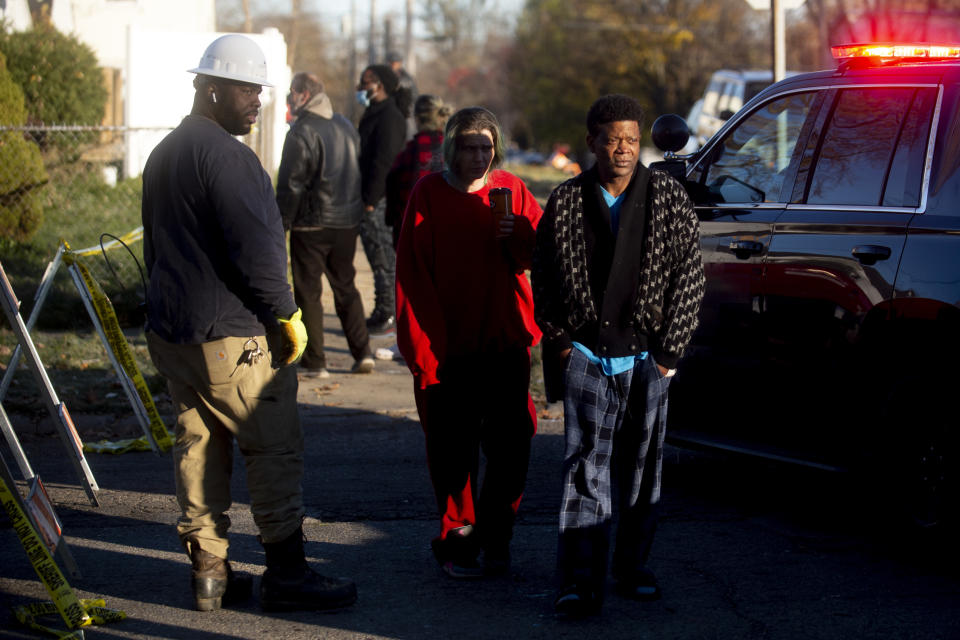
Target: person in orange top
(465,327)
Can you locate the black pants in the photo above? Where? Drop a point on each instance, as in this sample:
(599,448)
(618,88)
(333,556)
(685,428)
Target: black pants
(377,240)
(328,252)
(481,402)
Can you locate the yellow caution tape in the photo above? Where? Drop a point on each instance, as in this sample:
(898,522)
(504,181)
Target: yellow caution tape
(27,615)
(64,600)
(130,237)
(117,446)
(121,349)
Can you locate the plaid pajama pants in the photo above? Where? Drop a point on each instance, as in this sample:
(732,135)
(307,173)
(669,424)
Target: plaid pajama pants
(614,428)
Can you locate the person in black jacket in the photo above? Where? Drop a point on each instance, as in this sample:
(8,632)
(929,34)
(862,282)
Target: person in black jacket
(318,192)
(405,82)
(617,285)
(383,130)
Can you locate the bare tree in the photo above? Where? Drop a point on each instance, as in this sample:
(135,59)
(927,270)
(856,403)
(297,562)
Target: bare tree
(662,52)
(293,37)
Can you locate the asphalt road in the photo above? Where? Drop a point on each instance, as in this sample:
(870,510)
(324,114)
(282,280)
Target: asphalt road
(745,550)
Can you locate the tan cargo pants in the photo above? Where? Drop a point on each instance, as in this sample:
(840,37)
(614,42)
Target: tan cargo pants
(218,397)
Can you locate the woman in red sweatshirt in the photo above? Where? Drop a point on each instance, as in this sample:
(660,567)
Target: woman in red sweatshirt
(465,327)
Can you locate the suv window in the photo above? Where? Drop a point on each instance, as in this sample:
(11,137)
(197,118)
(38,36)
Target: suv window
(872,150)
(749,165)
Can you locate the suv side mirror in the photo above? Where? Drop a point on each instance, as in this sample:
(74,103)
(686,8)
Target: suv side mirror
(670,132)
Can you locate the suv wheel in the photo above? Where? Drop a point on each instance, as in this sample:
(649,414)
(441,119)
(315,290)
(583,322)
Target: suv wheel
(922,457)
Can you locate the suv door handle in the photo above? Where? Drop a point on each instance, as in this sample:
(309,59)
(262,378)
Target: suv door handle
(743,249)
(868,254)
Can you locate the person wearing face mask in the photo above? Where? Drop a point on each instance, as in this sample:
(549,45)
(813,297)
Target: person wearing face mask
(318,192)
(465,327)
(224,329)
(383,130)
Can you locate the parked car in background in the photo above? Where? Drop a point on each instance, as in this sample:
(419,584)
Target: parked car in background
(829,208)
(727,91)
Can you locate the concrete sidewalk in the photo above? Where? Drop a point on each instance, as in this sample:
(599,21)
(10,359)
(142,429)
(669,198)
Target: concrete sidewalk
(389,391)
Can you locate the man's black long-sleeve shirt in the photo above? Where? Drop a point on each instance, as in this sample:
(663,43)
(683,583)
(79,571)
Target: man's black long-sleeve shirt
(214,245)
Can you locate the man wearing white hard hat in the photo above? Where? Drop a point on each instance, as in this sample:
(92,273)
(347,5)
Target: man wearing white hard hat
(223,328)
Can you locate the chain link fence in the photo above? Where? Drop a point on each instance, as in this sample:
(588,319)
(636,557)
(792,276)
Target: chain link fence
(88,192)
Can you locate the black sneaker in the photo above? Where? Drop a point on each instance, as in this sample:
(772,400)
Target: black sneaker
(379,326)
(376,317)
(496,562)
(642,587)
(575,602)
(463,570)
(457,554)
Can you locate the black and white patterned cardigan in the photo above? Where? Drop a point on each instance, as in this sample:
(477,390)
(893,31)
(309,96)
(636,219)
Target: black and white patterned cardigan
(671,281)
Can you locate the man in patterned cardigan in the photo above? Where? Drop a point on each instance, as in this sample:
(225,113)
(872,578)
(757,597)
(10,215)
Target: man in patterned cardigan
(617,280)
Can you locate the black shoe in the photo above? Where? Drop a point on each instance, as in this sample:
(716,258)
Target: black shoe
(376,317)
(464,570)
(496,562)
(575,602)
(643,586)
(305,590)
(213,582)
(288,584)
(457,553)
(379,326)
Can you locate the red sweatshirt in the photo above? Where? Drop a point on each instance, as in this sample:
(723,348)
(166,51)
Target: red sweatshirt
(460,289)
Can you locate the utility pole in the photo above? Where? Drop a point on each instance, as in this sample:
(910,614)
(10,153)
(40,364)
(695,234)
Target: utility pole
(408,60)
(372,39)
(387,33)
(778,32)
(779,41)
(352,65)
(247,19)
(295,15)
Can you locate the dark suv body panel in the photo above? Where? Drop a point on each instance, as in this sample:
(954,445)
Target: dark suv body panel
(830,224)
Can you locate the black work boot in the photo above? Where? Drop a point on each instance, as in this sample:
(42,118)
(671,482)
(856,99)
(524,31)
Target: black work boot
(289,584)
(213,582)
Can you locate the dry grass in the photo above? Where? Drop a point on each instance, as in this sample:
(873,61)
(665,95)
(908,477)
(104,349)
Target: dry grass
(79,370)
(540,179)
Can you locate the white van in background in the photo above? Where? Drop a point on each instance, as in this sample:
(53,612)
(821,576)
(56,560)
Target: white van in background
(726,92)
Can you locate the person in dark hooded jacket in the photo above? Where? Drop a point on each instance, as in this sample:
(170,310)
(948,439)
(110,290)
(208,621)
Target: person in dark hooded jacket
(318,192)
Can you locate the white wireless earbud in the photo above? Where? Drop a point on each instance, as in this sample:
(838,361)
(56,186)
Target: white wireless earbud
(213,97)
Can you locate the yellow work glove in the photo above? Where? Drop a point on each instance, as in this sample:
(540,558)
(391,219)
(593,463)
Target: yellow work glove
(293,335)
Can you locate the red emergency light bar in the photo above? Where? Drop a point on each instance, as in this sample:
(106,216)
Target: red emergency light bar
(889,51)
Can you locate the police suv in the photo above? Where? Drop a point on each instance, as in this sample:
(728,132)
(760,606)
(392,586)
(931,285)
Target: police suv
(829,208)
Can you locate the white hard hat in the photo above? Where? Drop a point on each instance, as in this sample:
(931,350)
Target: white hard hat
(234,57)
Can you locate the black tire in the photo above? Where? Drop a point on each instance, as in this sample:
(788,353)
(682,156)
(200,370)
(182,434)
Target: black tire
(922,458)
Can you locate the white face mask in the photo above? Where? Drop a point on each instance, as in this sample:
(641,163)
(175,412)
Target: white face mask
(363,98)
